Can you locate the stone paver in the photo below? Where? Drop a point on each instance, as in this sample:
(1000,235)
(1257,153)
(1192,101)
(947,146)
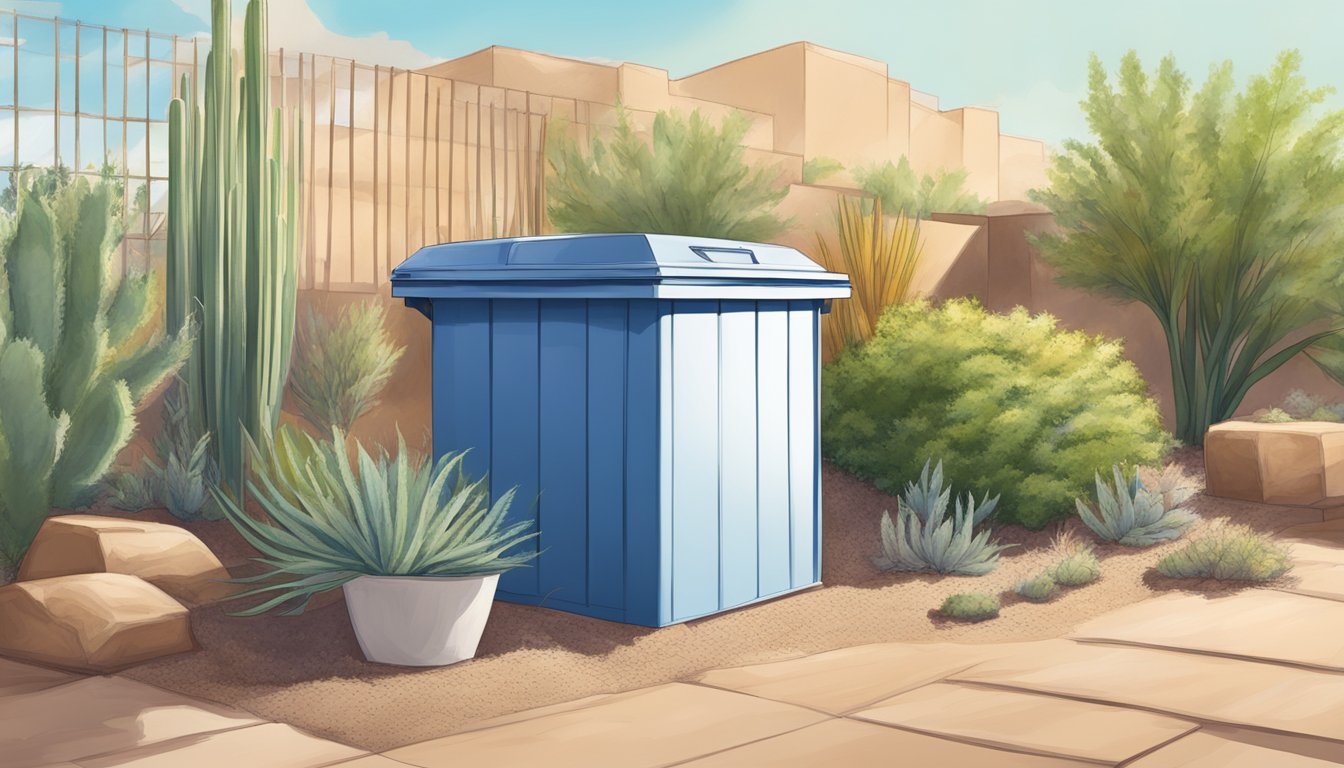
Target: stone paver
(1213,750)
(16,678)
(650,727)
(1299,463)
(1237,692)
(262,746)
(1044,725)
(100,715)
(849,678)
(371,761)
(1328,534)
(1320,580)
(854,744)
(1249,624)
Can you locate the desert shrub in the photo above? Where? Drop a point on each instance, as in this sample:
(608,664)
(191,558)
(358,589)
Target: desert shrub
(1009,402)
(1228,553)
(817,168)
(1274,416)
(901,191)
(1324,414)
(1038,589)
(1299,404)
(692,179)
(971,606)
(341,365)
(924,538)
(186,470)
(131,491)
(880,258)
(1076,562)
(1129,513)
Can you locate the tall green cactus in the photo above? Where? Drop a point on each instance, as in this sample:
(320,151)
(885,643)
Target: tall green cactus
(76,355)
(233,239)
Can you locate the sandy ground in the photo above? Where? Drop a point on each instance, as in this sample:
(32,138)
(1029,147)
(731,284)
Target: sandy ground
(308,670)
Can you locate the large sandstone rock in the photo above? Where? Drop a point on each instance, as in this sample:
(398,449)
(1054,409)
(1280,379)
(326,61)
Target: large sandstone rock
(169,557)
(92,622)
(1299,463)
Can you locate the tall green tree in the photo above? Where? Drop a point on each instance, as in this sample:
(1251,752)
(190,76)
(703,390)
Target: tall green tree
(691,179)
(1217,209)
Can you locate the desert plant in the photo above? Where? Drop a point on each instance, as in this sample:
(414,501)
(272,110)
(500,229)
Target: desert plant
(692,180)
(1298,404)
(341,365)
(817,168)
(880,259)
(1037,589)
(187,471)
(900,191)
(234,169)
(1324,414)
(77,354)
(1128,512)
(970,606)
(1274,416)
(395,516)
(1217,211)
(1229,553)
(924,538)
(1008,401)
(1076,561)
(131,491)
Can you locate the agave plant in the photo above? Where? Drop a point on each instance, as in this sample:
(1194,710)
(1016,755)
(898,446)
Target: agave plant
(924,538)
(1134,515)
(396,516)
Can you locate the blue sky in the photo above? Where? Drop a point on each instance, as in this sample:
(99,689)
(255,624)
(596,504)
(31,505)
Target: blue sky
(1026,58)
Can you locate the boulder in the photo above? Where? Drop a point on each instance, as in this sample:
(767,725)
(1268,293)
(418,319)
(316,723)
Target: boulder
(91,622)
(169,557)
(1296,463)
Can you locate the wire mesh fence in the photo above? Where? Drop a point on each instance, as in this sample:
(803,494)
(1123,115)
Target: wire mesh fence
(394,159)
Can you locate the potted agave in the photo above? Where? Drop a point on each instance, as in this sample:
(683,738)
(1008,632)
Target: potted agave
(416,546)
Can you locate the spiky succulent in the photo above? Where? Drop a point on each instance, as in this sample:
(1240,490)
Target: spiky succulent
(928,498)
(924,537)
(1131,514)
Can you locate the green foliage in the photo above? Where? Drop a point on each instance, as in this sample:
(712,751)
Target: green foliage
(1129,513)
(341,365)
(329,523)
(131,491)
(1009,401)
(1228,553)
(1037,589)
(1274,416)
(900,191)
(1324,414)
(880,262)
(1218,211)
(187,472)
(817,168)
(971,607)
(692,180)
(924,538)
(1076,562)
(234,231)
(76,355)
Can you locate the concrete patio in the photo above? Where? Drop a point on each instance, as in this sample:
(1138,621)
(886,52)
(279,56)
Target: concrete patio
(1254,679)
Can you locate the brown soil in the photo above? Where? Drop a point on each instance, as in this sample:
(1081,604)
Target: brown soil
(308,670)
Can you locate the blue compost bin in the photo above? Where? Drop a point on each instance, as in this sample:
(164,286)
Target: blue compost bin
(654,400)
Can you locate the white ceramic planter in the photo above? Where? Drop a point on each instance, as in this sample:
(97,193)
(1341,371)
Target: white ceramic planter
(419,621)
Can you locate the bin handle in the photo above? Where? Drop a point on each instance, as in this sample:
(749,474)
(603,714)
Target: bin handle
(725,255)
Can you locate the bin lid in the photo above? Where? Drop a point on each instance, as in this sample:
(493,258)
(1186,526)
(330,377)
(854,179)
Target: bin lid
(614,266)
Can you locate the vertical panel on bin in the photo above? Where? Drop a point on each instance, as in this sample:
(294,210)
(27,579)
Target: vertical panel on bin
(513,416)
(737,467)
(772,366)
(461,378)
(802,443)
(695,458)
(562,508)
(606,451)
(648,582)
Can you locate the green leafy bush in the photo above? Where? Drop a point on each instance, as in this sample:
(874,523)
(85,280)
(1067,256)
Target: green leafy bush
(131,491)
(1129,513)
(398,516)
(971,606)
(1228,553)
(692,180)
(924,538)
(341,364)
(901,191)
(1009,401)
(1038,589)
(1076,563)
(817,168)
(77,354)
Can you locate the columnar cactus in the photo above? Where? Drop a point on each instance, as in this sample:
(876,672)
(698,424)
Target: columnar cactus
(233,239)
(75,355)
